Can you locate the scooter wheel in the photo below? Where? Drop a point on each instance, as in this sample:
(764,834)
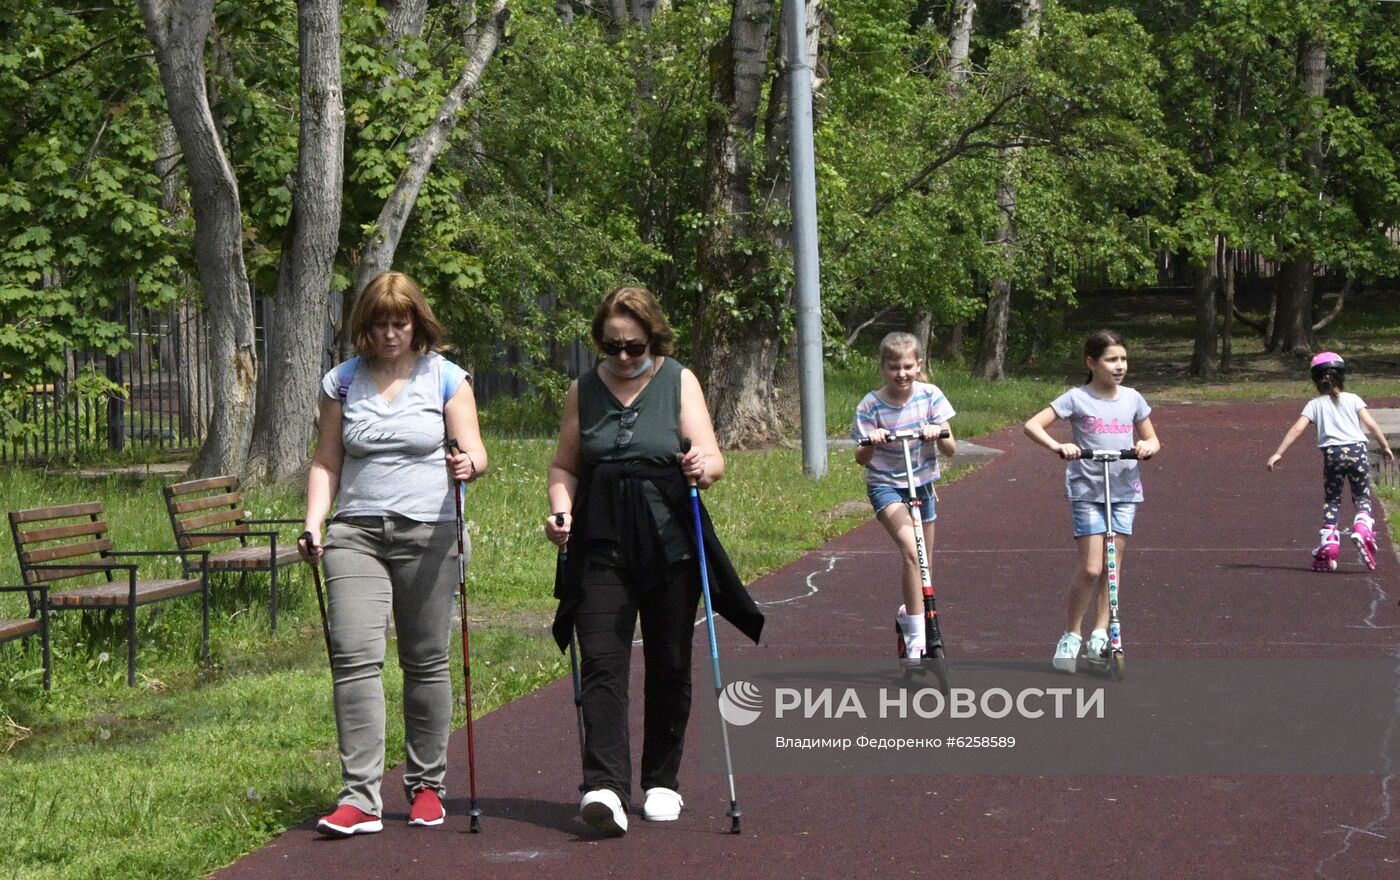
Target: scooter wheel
(1118,666)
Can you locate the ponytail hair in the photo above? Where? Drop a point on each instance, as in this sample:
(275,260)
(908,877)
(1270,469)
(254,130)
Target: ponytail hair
(1096,343)
(898,344)
(1331,383)
(1329,374)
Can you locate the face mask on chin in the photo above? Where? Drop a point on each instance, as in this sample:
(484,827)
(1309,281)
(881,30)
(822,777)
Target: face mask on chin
(645,365)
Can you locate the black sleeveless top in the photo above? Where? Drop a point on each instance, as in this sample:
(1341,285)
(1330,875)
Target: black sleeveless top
(647,432)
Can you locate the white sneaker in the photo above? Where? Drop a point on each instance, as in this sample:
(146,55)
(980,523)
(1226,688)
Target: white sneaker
(602,809)
(1098,643)
(1067,652)
(662,805)
(911,627)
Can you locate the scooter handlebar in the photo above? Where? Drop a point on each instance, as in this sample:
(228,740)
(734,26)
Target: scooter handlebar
(905,435)
(1107,454)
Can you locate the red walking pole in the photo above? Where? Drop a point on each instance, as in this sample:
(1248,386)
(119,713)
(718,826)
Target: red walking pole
(460,491)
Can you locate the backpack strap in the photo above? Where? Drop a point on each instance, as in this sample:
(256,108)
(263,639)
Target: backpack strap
(344,377)
(452,378)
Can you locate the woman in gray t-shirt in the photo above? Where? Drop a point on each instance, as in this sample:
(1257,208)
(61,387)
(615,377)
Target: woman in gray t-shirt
(392,544)
(1104,414)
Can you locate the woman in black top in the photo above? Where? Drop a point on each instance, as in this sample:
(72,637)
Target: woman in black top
(631,550)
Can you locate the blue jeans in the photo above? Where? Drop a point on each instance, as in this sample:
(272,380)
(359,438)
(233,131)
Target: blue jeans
(882,495)
(1089,518)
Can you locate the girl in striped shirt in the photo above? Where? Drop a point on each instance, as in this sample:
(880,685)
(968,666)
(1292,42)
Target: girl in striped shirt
(904,403)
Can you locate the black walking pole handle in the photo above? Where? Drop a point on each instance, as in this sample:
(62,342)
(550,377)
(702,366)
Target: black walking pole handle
(685,447)
(906,435)
(564,547)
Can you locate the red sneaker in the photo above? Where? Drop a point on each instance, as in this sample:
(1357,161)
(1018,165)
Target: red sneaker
(427,808)
(347,820)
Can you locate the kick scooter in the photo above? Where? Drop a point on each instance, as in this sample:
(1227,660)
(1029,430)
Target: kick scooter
(1112,659)
(934,659)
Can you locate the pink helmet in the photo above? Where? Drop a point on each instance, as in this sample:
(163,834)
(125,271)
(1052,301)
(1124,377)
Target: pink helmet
(1327,362)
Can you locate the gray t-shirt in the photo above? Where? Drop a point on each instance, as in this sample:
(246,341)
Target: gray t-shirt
(395,453)
(1339,423)
(1099,423)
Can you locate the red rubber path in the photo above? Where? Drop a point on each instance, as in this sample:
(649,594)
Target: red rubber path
(1218,567)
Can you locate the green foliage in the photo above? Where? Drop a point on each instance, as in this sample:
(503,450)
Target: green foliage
(1241,126)
(79,105)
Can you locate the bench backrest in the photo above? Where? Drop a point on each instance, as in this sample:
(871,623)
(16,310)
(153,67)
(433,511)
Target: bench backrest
(72,532)
(200,506)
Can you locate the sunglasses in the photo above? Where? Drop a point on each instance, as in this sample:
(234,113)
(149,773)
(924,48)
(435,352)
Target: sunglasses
(625,422)
(615,347)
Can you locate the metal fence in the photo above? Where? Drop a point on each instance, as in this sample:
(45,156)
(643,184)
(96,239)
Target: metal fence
(167,397)
(165,401)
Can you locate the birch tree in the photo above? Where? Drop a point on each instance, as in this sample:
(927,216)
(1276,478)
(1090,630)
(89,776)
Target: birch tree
(377,254)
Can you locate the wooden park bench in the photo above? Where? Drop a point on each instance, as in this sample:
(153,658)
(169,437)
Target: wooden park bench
(71,542)
(205,512)
(37,623)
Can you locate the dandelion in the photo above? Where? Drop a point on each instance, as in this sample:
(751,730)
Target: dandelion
(102,657)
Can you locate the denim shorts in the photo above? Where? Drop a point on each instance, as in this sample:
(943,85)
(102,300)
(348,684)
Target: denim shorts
(1089,520)
(883,495)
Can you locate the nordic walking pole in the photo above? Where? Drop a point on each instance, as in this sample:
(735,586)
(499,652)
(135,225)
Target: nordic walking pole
(459,492)
(734,811)
(320,599)
(573,650)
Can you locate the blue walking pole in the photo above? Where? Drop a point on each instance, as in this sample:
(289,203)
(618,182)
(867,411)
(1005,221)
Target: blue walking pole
(734,811)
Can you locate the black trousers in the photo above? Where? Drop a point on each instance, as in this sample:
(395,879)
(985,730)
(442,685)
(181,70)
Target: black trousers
(612,602)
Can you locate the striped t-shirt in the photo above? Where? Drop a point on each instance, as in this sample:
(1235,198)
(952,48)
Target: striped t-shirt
(926,405)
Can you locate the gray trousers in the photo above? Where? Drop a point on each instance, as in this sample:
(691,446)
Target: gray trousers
(375,567)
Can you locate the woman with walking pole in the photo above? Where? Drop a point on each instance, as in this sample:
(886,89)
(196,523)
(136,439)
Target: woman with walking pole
(392,550)
(619,502)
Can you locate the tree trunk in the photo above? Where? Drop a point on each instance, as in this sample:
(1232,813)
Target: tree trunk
(405,18)
(1292,330)
(959,39)
(959,70)
(617,15)
(991,358)
(1203,354)
(950,345)
(296,334)
(1227,320)
(178,30)
(377,256)
(923,329)
(736,349)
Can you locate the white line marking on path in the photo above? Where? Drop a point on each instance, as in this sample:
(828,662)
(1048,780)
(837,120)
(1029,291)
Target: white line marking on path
(812,589)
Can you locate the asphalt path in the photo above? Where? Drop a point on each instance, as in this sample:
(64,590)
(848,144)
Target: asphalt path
(1218,568)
